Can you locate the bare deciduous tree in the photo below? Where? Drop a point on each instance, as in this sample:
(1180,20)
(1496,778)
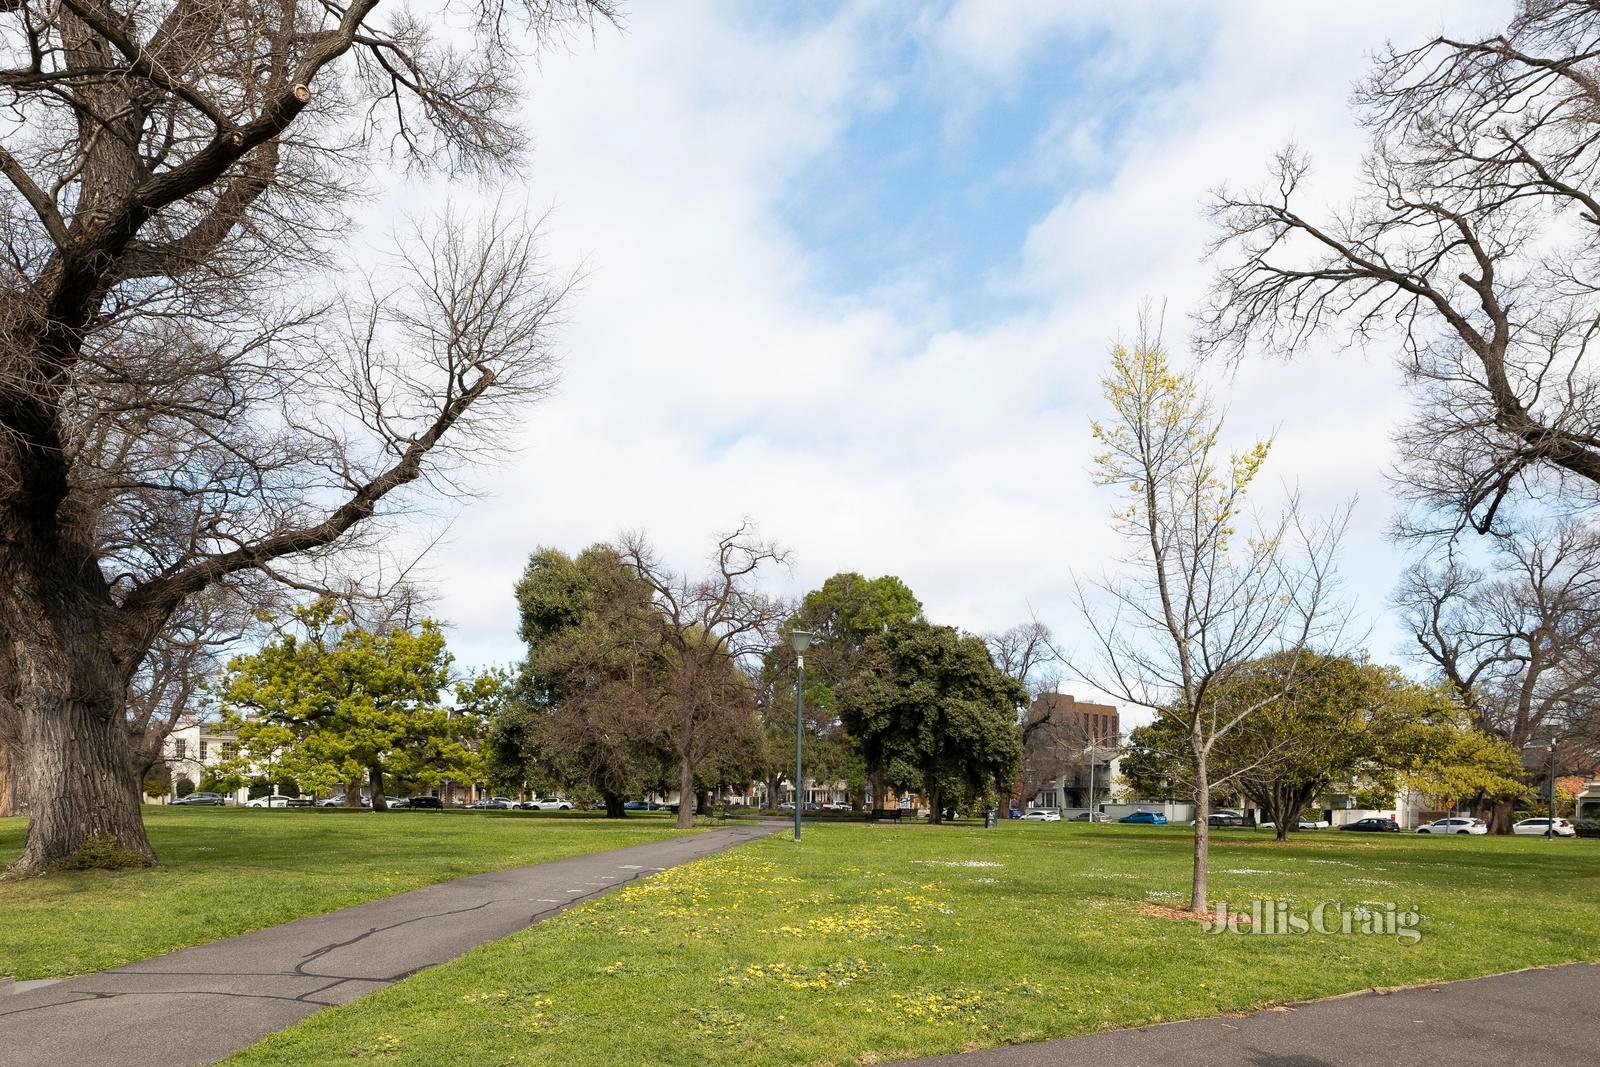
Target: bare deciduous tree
(1517,639)
(1027,653)
(175,411)
(712,628)
(1472,239)
(1199,601)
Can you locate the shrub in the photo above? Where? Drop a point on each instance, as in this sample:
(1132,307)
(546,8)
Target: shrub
(184,787)
(1587,827)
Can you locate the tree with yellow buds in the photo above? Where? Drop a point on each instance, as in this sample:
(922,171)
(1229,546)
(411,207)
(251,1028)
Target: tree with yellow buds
(1208,588)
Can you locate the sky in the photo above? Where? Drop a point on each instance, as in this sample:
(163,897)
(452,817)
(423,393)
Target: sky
(854,276)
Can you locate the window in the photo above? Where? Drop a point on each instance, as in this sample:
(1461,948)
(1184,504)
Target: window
(204,747)
(229,748)
(180,748)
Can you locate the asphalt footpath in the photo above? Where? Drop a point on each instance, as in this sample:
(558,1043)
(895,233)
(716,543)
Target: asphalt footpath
(1549,1015)
(201,1004)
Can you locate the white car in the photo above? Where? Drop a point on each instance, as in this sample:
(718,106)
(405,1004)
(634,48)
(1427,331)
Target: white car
(1455,825)
(1539,826)
(546,804)
(277,800)
(1041,815)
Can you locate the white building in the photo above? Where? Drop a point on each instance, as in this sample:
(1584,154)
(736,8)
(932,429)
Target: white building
(192,750)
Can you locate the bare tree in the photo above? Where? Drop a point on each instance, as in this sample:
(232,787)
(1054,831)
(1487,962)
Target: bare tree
(711,628)
(1517,639)
(175,410)
(1198,602)
(1027,653)
(1472,239)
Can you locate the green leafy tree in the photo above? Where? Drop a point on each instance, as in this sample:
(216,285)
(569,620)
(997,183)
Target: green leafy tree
(584,711)
(843,614)
(327,704)
(1338,722)
(933,711)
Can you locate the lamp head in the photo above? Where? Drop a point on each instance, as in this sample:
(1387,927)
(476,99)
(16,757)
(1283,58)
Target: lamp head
(800,640)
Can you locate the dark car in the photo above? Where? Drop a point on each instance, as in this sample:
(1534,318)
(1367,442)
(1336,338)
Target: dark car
(1014,813)
(431,803)
(1372,826)
(1229,818)
(211,800)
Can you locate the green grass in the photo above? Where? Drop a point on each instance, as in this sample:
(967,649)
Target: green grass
(866,944)
(228,871)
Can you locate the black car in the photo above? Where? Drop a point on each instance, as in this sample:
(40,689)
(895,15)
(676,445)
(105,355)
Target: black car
(1372,826)
(432,803)
(212,800)
(1229,818)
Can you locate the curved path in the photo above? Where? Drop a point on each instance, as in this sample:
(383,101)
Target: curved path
(201,1004)
(1548,1015)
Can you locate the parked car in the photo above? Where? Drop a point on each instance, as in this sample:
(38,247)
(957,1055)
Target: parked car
(202,800)
(429,803)
(1153,818)
(396,802)
(1541,826)
(495,804)
(1372,826)
(650,805)
(1014,813)
(546,804)
(1454,825)
(1229,818)
(339,802)
(278,800)
(1091,816)
(1041,815)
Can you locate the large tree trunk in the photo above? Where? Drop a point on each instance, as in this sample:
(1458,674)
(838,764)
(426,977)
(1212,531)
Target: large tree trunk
(1199,887)
(936,803)
(81,784)
(9,805)
(66,681)
(685,794)
(375,783)
(614,806)
(1500,818)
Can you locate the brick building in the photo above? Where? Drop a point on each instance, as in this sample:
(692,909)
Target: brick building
(1069,752)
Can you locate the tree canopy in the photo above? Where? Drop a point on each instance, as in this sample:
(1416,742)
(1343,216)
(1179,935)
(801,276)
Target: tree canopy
(935,712)
(331,705)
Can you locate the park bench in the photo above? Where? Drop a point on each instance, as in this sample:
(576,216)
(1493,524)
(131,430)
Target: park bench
(885,814)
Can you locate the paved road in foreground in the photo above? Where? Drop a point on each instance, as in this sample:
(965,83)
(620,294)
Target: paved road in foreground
(1544,1016)
(201,1004)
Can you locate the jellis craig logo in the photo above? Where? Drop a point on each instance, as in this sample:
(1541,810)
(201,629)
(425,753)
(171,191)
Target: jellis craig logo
(1278,918)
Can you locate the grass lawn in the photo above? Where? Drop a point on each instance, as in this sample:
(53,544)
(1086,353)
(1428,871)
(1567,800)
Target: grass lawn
(866,944)
(228,871)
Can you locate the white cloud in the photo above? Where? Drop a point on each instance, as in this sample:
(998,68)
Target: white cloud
(712,377)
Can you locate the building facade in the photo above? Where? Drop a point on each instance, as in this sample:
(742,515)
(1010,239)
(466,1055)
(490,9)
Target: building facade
(192,750)
(1069,752)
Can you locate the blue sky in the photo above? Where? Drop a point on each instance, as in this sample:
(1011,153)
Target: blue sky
(854,276)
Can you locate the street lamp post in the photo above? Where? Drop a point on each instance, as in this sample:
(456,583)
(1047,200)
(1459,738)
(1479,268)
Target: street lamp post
(799,640)
(1550,829)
